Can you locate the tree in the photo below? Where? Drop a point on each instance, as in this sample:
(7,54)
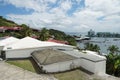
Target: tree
(44,34)
(113,64)
(58,35)
(71,40)
(113,49)
(113,61)
(96,48)
(26,31)
(92,47)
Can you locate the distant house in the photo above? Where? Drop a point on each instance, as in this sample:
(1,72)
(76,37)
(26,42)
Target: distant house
(51,61)
(2,29)
(13,28)
(6,28)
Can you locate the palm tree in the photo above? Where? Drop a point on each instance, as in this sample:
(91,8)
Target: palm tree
(92,47)
(44,34)
(26,30)
(113,61)
(113,49)
(96,48)
(113,64)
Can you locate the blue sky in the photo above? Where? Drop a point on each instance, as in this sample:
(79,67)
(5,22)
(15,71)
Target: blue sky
(10,9)
(65,15)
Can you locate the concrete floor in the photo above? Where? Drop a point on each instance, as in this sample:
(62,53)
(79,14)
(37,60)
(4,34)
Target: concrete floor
(11,72)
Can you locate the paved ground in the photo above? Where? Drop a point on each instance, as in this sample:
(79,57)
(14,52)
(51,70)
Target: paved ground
(11,72)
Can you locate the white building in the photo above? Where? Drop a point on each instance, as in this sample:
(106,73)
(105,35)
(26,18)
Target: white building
(51,61)
(7,41)
(90,61)
(57,58)
(24,47)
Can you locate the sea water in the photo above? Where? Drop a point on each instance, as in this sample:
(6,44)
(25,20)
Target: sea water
(103,43)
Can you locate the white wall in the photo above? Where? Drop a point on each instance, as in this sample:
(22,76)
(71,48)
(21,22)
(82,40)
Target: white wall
(96,67)
(24,53)
(88,65)
(21,53)
(90,61)
(100,67)
(61,66)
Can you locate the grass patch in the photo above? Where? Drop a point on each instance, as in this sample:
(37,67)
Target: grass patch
(25,64)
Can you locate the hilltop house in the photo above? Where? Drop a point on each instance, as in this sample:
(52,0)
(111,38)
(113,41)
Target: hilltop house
(5,28)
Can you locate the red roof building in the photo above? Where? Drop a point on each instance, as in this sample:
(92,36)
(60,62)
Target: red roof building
(5,28)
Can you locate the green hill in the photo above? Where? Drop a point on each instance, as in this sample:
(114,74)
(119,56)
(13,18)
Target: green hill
(59,35)
(5,22)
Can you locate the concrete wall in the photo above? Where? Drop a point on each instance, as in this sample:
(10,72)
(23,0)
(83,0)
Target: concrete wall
(94,67)
(24,53)
(20,53)
(88,65)
(90,61)
(100,67)
(62,66)
(93,62)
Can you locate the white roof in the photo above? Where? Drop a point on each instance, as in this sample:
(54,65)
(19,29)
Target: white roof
(8,41)
(29,42)
(86,54)
(26,42)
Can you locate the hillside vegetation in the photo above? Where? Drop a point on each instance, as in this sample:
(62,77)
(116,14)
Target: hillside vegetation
(5,22)
(43,34)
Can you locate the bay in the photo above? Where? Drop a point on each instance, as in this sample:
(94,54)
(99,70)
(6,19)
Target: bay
(103,43)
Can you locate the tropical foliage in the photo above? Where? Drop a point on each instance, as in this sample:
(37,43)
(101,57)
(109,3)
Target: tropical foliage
(92,47)
(5,22)
(44,34)
(113,49)
(59,35)
(113,61)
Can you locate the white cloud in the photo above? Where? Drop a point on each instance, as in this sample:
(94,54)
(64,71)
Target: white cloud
(66,5)
(106,6)
(100,15)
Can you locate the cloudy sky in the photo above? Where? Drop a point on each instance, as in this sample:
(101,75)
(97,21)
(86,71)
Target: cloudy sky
(65,15)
